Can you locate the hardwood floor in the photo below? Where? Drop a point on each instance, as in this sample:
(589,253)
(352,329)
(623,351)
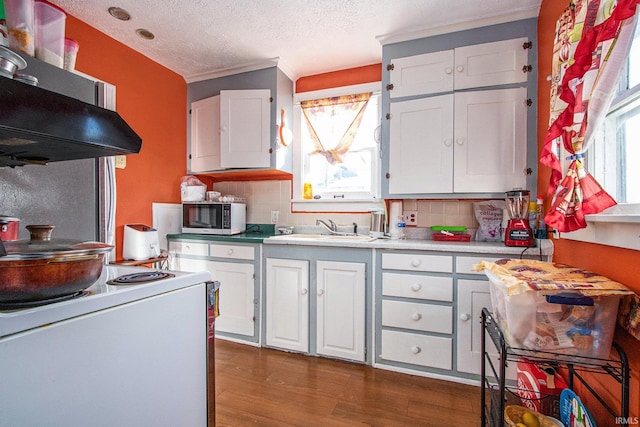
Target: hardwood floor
(265,387)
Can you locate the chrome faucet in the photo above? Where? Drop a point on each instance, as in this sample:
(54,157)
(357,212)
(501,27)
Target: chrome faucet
(333,228)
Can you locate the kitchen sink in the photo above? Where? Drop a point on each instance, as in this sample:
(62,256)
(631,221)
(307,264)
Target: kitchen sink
(326,237)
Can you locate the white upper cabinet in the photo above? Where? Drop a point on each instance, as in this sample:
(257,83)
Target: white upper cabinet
(421,149)
(490,149)
(481,65)
(418,74)
(245,128)
(467,142)
(490,64)
(205,135)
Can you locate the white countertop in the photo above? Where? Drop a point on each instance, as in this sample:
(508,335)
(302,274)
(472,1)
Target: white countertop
(546,246)
(101,296)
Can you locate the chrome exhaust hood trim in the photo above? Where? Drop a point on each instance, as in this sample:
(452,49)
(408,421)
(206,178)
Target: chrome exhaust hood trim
(38,126)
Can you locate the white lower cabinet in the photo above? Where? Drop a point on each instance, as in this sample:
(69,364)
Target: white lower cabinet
(416,310)
(422,350)
(234,267)
(340,307)
(287,304)
(473,295)
(336,296)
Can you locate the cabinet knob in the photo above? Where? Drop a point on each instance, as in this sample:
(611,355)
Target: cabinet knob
(459,68)
(415,349)
(223,128)
(416,287)
(460,141)
(448,142)
(320,292)
(448,70)
(416,262)
(304,291)
(416,316)
(465,316)
(230,252)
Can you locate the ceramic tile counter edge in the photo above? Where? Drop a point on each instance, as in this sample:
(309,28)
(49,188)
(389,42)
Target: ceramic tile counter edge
(545,246)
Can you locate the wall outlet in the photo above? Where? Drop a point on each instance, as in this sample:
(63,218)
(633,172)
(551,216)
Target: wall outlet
(275,215)
(410,217)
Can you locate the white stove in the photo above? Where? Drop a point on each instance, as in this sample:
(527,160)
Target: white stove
(98,296)
(140,348)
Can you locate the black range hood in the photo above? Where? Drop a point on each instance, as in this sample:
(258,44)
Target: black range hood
(38,126)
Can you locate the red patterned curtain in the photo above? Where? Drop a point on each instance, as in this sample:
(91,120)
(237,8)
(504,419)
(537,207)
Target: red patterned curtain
(590,49)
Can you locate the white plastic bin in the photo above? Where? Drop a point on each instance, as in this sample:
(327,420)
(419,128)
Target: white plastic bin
(50,23)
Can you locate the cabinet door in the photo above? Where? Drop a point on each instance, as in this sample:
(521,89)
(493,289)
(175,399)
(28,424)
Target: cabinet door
(473,295)
(236,296)
(491,64)
(245,128)
(205,135)
(421,74)
(420,149)
(341,309)
(287,304)
(490,140)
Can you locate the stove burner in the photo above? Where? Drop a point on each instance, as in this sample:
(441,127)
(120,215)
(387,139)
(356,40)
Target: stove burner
(138,278)
(30,304)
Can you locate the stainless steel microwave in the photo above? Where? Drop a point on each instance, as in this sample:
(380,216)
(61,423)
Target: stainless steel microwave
(214,218)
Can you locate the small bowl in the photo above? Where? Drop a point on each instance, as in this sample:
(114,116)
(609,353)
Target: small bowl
(10,62)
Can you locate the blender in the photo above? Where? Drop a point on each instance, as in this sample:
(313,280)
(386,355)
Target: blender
(518,232)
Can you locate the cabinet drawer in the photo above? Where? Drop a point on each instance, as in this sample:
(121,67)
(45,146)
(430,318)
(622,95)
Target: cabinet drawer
(189,248)
(464,264)
(421,287)
(420,317)
(232,251)
(417,262)
(417,349)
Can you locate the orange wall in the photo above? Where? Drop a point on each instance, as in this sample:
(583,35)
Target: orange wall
(352,76)
(615,263)
(152,100)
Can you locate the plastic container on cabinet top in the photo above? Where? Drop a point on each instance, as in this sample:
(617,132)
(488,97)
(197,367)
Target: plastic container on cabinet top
(50,24)
(20,20)
(70,54)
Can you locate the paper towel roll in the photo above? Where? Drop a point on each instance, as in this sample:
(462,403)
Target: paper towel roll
(395,210)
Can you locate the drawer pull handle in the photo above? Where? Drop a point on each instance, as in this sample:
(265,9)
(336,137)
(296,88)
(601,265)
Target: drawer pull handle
(415,349)
(465,316)
(230,252)
(416,316)
(304,291)
(416,287)
(320,292)
(416,262)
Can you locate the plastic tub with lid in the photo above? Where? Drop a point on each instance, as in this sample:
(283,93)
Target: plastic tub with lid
(50,24)
(20,18)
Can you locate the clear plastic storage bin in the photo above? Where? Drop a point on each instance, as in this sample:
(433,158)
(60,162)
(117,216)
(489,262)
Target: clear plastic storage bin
(50,23)
(564,322)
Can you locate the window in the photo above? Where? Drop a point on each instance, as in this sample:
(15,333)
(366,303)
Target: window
(613,159)
(339,150)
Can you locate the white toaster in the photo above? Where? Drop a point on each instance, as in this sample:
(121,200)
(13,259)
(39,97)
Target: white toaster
(140,242)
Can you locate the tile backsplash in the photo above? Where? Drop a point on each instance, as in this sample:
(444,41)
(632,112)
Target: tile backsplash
(263,197)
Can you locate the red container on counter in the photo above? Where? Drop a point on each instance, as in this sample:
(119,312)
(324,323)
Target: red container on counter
(9,228)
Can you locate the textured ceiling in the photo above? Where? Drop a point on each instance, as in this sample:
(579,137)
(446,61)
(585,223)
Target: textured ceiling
(196,38)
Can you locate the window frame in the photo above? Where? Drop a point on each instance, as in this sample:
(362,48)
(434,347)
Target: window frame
(298,204)
(620,224)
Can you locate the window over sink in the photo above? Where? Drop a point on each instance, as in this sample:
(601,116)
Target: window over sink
(338,152)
